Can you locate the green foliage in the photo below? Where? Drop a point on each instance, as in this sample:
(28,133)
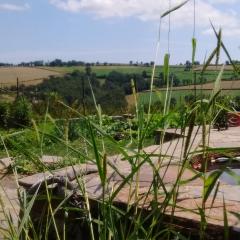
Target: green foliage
(16,114)
(4,114)
(70,129)
(75,87)
(20,112)
(144,214)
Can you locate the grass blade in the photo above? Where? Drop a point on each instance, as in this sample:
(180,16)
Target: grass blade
(174,9)
(210,183)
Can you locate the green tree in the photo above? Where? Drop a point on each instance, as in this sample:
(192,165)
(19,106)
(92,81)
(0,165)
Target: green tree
(144,74)
(188,66)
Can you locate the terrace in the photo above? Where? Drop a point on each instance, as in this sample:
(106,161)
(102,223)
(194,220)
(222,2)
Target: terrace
(190,192)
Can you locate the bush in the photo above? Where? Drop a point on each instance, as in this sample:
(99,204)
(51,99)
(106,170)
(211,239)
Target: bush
(73,128)
(4,114)
(20,112)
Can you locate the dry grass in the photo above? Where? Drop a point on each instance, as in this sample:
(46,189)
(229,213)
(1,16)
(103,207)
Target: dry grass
(7,97)
(26,75)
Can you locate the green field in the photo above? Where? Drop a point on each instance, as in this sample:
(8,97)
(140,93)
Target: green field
(179,95)
(34,76)
(103,71)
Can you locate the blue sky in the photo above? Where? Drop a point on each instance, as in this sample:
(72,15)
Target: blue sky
(112,30)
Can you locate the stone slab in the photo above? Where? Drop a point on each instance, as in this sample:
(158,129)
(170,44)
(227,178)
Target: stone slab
(69,172)
(50,160)
(170,153)
(5,163)
(10,203)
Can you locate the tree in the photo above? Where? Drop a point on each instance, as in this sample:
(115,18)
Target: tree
(186,82)
(175,79)
(144,74)
(88,69)
(188,66)
(56,63)
(189,98)
(160,82)
(173,102)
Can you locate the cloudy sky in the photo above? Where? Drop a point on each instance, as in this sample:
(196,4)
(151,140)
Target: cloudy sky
(113,30)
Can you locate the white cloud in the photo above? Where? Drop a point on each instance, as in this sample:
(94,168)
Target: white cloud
(13,7)
(226,32)
(151,9)
(223,1)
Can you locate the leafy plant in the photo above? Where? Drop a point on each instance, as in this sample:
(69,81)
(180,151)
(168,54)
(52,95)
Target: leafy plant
(20,112)
(4,114)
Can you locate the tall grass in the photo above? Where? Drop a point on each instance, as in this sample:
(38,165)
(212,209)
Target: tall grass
(146,215)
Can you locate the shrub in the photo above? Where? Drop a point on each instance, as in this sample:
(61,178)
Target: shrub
(4,114)
(20,112)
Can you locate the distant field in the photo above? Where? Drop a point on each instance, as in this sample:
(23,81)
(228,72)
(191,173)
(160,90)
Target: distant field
(7,97)
(26,75)
(179,95)
(33,76)
(225,85)
(103,71)
(100,70)
(216,68)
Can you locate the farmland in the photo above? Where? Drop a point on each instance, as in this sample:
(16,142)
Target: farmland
(114,151)
(35,75)
(103,71)
(26,75)
(179,95)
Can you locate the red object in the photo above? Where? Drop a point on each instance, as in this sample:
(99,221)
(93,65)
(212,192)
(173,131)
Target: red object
(234,119)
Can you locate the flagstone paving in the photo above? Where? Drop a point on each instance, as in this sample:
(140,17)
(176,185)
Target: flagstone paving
(10,203)
(190,194)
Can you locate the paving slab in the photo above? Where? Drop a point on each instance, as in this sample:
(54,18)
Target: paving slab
(9,202)
(51,160)
(69,172)
(5,163)
(170,156)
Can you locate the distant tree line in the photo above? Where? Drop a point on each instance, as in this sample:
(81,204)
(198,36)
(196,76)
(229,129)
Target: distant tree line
(6,64)
(61,63)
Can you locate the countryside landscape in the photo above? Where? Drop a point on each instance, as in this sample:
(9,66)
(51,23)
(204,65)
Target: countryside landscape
(129,125)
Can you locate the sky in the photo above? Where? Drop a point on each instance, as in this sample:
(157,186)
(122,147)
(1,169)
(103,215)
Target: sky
(114,30)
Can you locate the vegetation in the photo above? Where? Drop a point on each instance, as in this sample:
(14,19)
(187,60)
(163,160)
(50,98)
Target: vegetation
(81,136)
(16,114)
(180,96)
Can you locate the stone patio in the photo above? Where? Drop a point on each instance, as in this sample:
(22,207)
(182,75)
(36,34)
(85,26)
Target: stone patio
(190,194)
(9,198)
